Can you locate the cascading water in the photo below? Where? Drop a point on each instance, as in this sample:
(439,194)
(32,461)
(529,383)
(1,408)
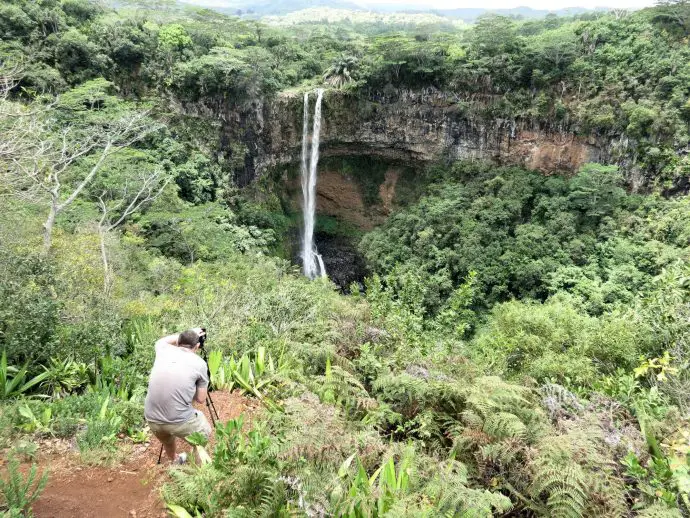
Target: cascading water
(312,261)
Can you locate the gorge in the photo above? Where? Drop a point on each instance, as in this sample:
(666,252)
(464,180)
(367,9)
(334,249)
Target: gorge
(412,127)
(374,148)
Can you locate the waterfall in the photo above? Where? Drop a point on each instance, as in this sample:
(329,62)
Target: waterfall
(312,261)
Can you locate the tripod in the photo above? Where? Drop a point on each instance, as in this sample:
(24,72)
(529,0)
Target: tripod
(212,412)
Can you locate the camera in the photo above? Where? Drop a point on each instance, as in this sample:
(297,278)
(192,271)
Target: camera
(202,339)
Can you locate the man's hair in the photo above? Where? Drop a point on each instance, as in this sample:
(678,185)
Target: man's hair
(188,339)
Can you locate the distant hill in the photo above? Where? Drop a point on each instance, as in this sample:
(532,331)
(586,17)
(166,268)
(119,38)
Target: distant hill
(260,8)
(470,14)
(392,19)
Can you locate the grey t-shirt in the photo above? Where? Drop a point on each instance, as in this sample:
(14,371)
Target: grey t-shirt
(176,374)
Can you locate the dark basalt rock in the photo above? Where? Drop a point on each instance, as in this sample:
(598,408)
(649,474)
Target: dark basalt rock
(344,264)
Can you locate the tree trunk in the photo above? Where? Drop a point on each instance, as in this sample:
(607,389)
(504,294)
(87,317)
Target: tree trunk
(106,266)
(48,228)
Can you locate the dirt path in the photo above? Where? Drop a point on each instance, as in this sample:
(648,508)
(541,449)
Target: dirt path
(131,489)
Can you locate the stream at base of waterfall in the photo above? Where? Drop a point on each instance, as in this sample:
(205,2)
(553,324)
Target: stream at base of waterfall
(312,262)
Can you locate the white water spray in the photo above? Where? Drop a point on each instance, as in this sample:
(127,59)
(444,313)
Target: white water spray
(312,261)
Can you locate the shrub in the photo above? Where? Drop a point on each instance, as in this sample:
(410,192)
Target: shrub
(29,314)
(20,492)
(556,340)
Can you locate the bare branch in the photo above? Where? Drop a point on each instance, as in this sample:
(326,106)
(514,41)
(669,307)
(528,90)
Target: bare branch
(10,75)
(85,181)
(151,188)
(35,156)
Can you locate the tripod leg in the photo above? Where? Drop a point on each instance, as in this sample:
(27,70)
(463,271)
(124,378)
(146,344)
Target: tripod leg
(160,454)
(209,403)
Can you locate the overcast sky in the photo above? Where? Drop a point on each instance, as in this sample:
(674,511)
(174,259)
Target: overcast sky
(489,4)
(535,4)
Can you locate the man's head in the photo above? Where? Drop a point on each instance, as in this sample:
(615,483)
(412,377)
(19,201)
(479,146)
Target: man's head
(189,339)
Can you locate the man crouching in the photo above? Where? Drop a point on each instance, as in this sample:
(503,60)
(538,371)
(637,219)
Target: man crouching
(178,377)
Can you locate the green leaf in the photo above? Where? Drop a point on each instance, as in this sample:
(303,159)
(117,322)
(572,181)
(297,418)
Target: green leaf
(178,511)
(104,408)
(33,381)
(214,361)
(345,466)
(197,439)
(26,412)
(260,361)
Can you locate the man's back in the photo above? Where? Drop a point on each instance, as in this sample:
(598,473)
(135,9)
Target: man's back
(176,374)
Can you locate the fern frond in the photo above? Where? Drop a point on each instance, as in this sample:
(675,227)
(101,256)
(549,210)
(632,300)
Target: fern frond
(502,425)
(469,440)
(472,419)
(452,497)
(564,503)
(503,453)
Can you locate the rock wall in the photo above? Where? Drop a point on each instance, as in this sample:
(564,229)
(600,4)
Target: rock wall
(340,195)
(407,127)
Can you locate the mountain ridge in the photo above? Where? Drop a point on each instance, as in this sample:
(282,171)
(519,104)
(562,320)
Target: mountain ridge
(283,7)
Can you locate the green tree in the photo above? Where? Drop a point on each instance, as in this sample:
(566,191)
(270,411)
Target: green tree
(174,37)
(340,72)
(675,14)
(64,154)
(596,191)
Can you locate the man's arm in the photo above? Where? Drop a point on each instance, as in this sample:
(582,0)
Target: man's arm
(170,340)
(201,394)
(202,383)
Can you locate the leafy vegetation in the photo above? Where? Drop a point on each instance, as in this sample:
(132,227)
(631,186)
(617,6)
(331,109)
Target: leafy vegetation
(521,346)
(20,492)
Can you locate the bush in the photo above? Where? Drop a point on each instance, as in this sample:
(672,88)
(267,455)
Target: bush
(558,341)
(29,313)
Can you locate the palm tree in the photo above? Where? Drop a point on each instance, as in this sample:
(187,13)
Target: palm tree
(340,72)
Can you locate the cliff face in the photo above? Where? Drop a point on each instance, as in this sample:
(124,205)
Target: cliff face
(409,127)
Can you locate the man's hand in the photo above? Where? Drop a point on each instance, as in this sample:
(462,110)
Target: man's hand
(199,331)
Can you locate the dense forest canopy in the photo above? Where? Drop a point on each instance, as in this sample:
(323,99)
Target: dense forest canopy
(520,345)
(622,75)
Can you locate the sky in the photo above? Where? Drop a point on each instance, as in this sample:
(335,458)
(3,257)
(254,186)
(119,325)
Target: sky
(535,4)
(489,4)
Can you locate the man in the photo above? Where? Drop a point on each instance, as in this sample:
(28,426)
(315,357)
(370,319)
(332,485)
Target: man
(178,377)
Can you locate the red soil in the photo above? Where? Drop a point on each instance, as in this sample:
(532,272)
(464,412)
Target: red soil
(75,490)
